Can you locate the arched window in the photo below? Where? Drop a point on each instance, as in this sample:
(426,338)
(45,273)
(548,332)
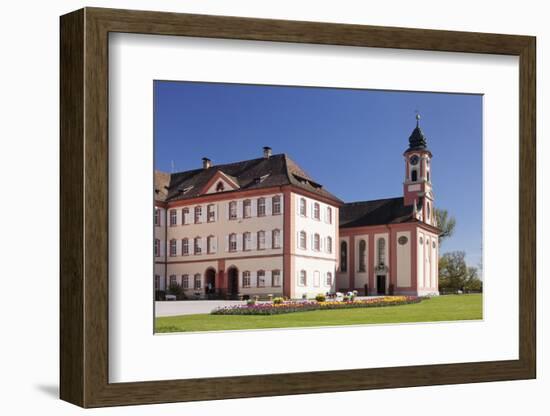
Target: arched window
(232,210)
(316,211)
(276,278)
(261,207)
(198,214)
(328,281)
(303,278)
(197,246)
(276,237)
(185,246)
(362,255)
(220,187)
(428,176)
(185,281)
(329,215)
(329,244)
(261,240)
(185,216)
(247,241)
(247,208)
(316,278)
(414,175)
(210,247)
(303,207)
(233,242)
(303,240)
(157,247)
(344,256)
(316,242)
(197,282)
(381,251)
(173,217)
(276,205)
(173,280)
(261,278)
(157,218)
(211,213)
(428,211)
(173,248)
(246,279)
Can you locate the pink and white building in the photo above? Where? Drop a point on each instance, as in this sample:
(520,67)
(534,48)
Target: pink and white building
(264,226)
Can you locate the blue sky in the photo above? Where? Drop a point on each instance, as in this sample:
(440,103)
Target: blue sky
(351,141)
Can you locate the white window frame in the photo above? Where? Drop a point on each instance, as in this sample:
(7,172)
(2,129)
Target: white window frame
(197,281)
(261,240)
(276,205)
(316,242)
(185,246)
(276,278)
(185,281)
(316,211)
(247,241)
(302,239)
(303,207)
(211,213)
(232,210)
(276,238)
(197,214)
(185,216)
(246,278)
(173,217)
(247,208)
(302,278)
(232,242)
(173,247)
(197,246)
(260,208)
(260,277)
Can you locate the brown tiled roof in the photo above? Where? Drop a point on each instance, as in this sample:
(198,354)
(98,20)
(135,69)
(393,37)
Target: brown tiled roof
(377,212)
(277,170)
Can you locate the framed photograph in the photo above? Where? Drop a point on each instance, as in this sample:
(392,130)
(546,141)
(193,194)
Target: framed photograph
(255,207)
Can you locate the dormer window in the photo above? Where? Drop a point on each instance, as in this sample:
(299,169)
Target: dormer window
(220,187)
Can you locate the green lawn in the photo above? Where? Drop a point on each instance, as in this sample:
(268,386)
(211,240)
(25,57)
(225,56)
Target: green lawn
(442,308)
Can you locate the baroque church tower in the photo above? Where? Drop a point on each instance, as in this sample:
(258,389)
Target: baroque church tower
(417,187)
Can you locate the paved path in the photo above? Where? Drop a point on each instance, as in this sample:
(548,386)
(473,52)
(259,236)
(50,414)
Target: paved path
(190,307)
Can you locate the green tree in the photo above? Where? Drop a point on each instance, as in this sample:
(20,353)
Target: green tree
(445,223)
(473,282)
(453,271)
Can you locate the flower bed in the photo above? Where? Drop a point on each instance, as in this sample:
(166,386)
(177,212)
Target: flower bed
(303,306)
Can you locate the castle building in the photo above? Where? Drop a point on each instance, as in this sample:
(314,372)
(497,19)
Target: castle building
(264,226)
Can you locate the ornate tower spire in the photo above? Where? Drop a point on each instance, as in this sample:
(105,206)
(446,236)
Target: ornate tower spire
(417,187)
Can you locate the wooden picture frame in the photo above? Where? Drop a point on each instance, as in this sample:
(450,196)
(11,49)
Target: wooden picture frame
(84,207)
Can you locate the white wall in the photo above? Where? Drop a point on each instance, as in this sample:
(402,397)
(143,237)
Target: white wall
(31,374)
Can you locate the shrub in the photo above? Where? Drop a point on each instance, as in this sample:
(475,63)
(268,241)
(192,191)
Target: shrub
(301,306)
(277,301)
(304,296)
(251,302)
(346,299)
(320,297)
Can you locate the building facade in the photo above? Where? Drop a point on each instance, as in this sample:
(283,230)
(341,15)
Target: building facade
(264,227)
(256,227)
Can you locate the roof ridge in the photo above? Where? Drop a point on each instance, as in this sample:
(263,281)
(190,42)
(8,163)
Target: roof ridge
(373,200)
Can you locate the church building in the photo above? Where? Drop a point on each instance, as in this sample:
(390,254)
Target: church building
(265,227)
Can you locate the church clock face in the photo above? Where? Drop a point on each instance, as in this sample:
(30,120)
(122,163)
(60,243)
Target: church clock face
(414,160)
